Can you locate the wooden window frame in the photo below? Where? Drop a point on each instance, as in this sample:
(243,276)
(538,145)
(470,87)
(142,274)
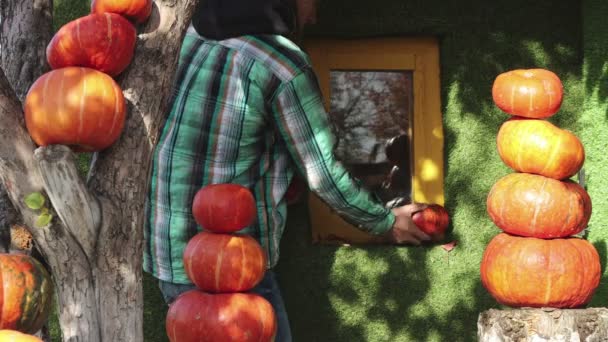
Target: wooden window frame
(419,55)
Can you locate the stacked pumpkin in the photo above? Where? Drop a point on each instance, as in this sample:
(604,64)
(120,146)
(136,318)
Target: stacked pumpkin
(224,266)
(537,262)
(78,103)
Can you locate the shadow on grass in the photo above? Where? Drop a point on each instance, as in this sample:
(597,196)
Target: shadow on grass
(378,293)
(599,298)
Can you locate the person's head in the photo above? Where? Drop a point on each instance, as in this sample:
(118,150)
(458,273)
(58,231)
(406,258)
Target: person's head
(222,19)
(306,12)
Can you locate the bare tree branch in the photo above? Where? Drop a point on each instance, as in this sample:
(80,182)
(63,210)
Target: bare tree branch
(78,209)
(120,174)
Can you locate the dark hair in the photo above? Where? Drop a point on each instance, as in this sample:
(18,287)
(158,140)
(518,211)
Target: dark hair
(223,19)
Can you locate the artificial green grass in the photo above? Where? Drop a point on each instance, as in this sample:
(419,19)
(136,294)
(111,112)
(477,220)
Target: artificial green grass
(593,125)
(425,293)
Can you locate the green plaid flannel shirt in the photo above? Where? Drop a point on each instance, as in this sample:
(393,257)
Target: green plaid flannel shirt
(246,110)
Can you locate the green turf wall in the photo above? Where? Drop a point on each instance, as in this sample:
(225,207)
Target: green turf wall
(427,294)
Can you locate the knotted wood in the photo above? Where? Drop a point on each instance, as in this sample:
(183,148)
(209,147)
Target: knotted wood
(543,325)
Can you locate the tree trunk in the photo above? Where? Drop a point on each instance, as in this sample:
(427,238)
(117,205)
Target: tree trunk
(94,244)
(26,27)
(540,325)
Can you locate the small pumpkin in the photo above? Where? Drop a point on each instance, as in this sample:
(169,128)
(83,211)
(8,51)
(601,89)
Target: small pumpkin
(196,316)
(26,294)
(531,93)
(433,220)
(224,262)
(137,11)
(530,272)
(536,206)
(538,146)
(17,336)
(224,208)
(104,42)
(80,107)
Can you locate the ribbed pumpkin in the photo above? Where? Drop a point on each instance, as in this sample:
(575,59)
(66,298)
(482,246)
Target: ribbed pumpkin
(433,220)
(105,42)
(529,272)
(196,316)
(135,10)
(532,93)
(224,262)
(532,205)
(224,208)
(16,336)
(26,293)
(538,146)
(75,106)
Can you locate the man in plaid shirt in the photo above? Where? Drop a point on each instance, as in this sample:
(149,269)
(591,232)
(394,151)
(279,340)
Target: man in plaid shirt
(247,109)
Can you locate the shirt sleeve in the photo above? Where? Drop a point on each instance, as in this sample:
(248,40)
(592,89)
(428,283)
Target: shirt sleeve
(303,123)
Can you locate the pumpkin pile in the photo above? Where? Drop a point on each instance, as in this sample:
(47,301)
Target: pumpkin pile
(224,266)
(537,261)
(78,103)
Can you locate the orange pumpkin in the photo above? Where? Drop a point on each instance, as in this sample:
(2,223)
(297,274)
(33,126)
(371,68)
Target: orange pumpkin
(530,272)
(135,10)
(75,106)
(105,42)
(538,146)
(26,293)
(224,208)
(196,316)
(531,205)
(532,93)
(224,262)
(16,336)
(433,220)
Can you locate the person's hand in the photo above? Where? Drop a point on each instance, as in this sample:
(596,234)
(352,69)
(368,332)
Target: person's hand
(404,230)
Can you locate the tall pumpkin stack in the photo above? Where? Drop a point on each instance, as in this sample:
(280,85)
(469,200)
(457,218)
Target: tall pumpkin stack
(223,265)
(536,261)
(78,103)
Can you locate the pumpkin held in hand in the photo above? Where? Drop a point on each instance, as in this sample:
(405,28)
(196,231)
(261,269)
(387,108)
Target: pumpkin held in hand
(16,336)
(532,93)
(433,220)
(529,272)
(80,107)
(536,206)
(224,262)
(224,208)
(538,146)
(105,42)
(26,294)
(196,316)
(135,10)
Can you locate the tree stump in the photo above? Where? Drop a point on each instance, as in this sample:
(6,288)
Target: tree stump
(545,324)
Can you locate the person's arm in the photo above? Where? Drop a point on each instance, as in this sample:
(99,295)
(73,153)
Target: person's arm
(303,123)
